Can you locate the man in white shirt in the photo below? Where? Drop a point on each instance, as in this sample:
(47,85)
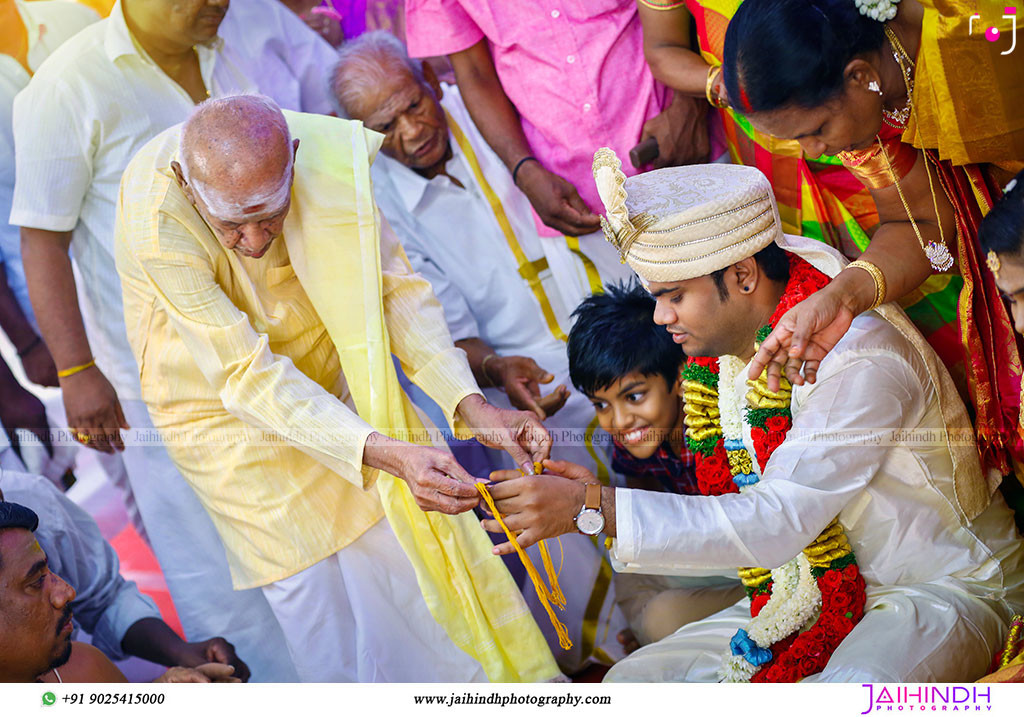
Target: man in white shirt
(867,475)
(469,231)
(88,109)
(281,54)
(31,32)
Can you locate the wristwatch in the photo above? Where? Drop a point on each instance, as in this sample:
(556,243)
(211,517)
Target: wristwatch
(590,520)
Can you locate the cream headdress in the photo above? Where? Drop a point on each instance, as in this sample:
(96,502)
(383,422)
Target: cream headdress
(683,222)
(680,223)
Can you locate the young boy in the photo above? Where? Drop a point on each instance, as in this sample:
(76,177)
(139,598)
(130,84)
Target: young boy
(628,367)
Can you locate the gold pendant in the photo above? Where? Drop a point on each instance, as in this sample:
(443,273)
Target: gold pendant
(938,256)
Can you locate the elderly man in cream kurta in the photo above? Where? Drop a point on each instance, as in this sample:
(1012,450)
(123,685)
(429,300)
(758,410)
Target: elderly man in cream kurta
(496,281)
(880,443)
(263,311)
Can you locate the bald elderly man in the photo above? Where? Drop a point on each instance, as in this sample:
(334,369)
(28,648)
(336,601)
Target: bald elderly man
(263,303)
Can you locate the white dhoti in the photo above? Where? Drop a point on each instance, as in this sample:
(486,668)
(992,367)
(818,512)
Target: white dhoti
(359,616)
(932,632)
(192,559)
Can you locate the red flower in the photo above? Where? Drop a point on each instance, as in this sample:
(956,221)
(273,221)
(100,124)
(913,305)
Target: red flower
(760,440)
(844,624)
(830,581)
(816,642)
(773,441)
(777,423)
(708,362)
(758,602)
(840,600)
(799,649)
(850,572)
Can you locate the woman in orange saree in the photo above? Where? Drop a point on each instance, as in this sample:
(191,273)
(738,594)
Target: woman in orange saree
(930,117)
(818,197)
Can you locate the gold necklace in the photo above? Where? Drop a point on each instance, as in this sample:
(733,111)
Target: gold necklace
(937,252)
(898,118)
(199,63)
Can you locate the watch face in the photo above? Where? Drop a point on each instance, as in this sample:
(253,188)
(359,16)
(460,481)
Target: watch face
(590,521)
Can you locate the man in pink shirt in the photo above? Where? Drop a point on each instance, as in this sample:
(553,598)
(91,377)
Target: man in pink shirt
(548,83)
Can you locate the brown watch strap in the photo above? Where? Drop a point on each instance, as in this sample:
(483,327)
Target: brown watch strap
(593,497)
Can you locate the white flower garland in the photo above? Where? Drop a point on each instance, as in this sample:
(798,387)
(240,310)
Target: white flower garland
(881,10)
(730,414)
(795,597)
(795,601)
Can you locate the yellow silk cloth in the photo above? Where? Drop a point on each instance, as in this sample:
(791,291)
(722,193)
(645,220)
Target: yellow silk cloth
(333,238)
(968,98)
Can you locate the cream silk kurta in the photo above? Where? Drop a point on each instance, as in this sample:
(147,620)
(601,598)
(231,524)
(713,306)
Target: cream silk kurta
(240,370)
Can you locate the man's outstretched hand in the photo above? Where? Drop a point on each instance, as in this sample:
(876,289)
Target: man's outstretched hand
(216,649)
(521,378)
(210,672)
(538,507)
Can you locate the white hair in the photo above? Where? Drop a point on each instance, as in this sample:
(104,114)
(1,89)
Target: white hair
(239,106)
(370,59)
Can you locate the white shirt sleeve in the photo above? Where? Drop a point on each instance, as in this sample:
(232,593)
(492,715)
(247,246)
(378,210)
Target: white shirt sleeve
(809,479)
(53,144)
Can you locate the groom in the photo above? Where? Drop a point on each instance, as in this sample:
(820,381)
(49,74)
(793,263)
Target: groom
(868,555)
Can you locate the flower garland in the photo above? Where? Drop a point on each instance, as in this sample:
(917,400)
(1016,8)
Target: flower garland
(881,10)
(802,610)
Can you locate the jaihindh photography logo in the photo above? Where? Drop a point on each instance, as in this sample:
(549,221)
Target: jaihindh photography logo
(928,698)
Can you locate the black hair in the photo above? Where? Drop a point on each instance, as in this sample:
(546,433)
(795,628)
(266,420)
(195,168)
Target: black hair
(773,260)
(1002,230)
(614,335)
(13,515)
(793,52)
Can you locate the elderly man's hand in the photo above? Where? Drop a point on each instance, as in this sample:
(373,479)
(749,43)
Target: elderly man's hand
(540,506)
(217,649)
(520,377)
(93,410)
(436,479)
(556,201)
(210,672)
(682,132)
(520,433)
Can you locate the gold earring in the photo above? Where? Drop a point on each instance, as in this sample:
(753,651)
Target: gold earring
(994,264)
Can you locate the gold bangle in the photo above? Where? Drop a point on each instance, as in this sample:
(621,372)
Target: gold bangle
(713,74)
(483,368)
(877,276)
(75,369)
